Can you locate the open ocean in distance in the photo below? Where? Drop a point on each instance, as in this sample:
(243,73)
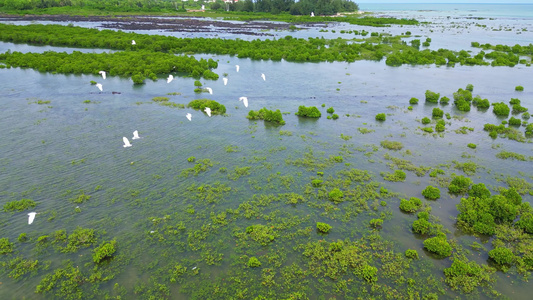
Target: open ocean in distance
(481,10)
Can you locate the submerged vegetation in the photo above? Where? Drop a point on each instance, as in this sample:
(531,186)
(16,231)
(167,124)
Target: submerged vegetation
(288,215)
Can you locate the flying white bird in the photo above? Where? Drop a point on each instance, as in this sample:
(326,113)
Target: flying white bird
(31,217)
(237,67)
(102,73)
(133,42)
(263,76)
(136,135)
(244,100)
(99,86)
(225,80)
(208,111)
(210,90)
(126,142)
(170,78)
(189,116)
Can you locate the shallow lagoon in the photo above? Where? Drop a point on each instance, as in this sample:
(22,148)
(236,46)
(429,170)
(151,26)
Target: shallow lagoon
(52,152)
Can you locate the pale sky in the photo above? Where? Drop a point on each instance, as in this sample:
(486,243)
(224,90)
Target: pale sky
(444,1)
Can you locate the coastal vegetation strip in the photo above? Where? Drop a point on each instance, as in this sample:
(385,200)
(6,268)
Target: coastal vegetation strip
(376,47)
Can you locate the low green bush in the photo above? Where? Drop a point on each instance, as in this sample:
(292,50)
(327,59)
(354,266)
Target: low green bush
(412,254)
(426,120)
(308,112)
(444,100)
(501,109)
(201,104)
(253,262)
(519,88)
(438,245)
(19,205)
(381,117)
(431,193)
(106,250)
(411,205)
(459,185)
(267,115)
(432,97)
(5,246)
(336,195)
(330,110)
(413,101)
(501,255)
(323,227)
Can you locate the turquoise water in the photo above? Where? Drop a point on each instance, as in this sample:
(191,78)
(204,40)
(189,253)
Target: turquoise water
(53,152)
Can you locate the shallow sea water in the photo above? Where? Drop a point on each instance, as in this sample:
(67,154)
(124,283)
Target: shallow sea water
(50,152)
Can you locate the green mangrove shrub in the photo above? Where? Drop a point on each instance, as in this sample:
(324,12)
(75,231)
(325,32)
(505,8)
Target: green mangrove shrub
(391,145)
(19,205)
(381,117)
(432,97)
(470,87)
(437,113)
(253,262)
(426,120)
(515,121)
(459,185)
(438,245)
(480,103)
(411,253)
(106,250)
(444,100)
(201,104)
(376,223)
(5,246)
(308,112)
(267,115)
(467,275)
(413,101)
(323,227)
(396,176)
(421,226)
(501,255)
(501,109)
(411,205)
(440,126)
(431,193)
(330,110)
(519,88)
(336,195)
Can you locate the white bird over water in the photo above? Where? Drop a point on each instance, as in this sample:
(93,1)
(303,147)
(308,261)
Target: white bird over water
(170,78)
(237,68)
(263,76)
(225,80)
(126,142)
(244,100)
(208,111)
(136,135)
(210,90)
(189,116)
(102,73)
(133,42)
(31,217)
(99,86)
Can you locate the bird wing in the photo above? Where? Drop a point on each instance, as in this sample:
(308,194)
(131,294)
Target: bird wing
(31,217)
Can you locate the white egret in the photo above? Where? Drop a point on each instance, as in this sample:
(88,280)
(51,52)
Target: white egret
(189,116)
(133,42)
(225,80)
(210,90)
(244,100)
(103,73)
(263,76)
(99,86)
(136,135)
(170,78)
(31,217)
(126,142)
(208,111)
(237,67)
